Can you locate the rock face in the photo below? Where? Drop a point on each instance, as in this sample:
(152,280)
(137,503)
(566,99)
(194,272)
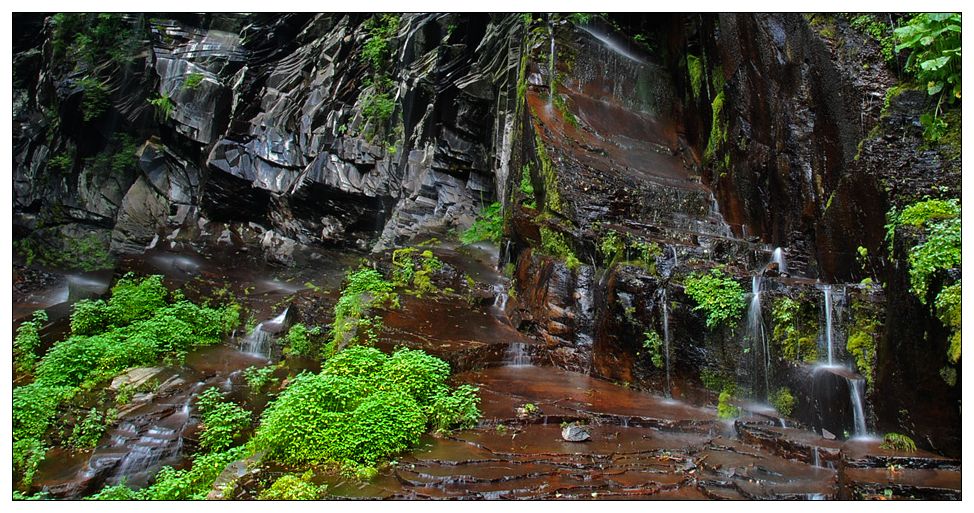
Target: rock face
(624,164)
(263,122)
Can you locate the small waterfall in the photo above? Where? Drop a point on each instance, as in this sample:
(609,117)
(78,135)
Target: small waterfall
(858,414)
(517,355)
(258,341)
(665,307)
(778,257)
(551,63)
(816,459)
(827,292)
(500,296)
(755,331)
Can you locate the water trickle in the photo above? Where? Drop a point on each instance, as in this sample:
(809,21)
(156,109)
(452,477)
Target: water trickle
(551,63)
(258,340)
(827,305)
(500,297)
(858,414)
(517,355)
(778,257)
(816,459)
(755,331)
(665,307)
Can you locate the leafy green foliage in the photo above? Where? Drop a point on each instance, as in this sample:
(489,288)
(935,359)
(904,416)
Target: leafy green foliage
(193,81)
(301,341)
(89,431)
(119,492)
(134,300)
(726,410)
(489,225)
(291,487)
(696,70)
(794,331)
(89,316)
(783,401)
(580,18)
(456,410)
(416,373)
(381,28)
(948,308)
(134,335)
(34,408)
(194,483)
(164,107)
(556,244)
(898,442)
(93,38)
(882,33)
(223,420)
(526,187)
(407,271)
(716,294)
(258,378)
(366,288)
(28,341)
(94,100)
(654,344)
(362,407)
(934,41)
(941,251)
(861,343)
(718,129)
(716,380)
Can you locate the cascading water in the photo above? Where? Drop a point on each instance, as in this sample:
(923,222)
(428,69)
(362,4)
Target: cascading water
(778,257)
(856,387)
(258,340)
(500,297)
(755,331)
(665,307)
(517,355)
(827,305)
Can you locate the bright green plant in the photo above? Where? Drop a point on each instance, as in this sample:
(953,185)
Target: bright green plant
(489,225)
(89,316)
(223,420)
(940,251)
(89,431)
(193,81)
(364,406)
(794,333)
(716,294)
(366,288)
(695,69)
(654,344)
(258,378)
(302,341)
(726,410)
(34,409)
(783,401)
(934,41)
(881,32)
(898,442)
(292,487)
(164,107)
(194,483)
(556,244)
(527,188)
(456,410)
(28,341)
(948,308)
